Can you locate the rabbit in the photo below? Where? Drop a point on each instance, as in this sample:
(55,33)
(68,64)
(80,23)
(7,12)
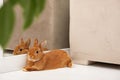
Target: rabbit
(22,48)
(38,60)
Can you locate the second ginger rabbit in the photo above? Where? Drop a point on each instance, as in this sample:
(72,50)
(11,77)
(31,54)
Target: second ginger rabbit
(22,47)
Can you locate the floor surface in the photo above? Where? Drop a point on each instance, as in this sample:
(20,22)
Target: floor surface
(97,71)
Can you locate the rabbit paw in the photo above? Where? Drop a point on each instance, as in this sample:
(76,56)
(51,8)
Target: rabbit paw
(32,68)
(25,69)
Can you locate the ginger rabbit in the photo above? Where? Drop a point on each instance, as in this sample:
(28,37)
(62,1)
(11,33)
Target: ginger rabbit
(38,60)
(22,48)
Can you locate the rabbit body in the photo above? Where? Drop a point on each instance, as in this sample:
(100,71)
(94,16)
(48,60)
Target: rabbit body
(56,59)
(51,60)
(38,60)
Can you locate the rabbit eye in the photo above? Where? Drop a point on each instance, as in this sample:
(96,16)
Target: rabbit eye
(37,52)
(21,49)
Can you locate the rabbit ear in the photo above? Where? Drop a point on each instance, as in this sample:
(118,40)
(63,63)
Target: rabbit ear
(36,42)
(22,41)
(27,43)
(43,44)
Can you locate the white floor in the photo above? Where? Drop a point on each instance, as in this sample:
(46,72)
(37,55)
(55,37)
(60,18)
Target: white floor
(77,72)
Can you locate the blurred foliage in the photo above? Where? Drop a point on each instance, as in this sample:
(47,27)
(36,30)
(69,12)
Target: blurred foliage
(31,9)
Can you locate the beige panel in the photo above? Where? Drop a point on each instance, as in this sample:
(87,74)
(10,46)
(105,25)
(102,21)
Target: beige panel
(95,30)
(52,25)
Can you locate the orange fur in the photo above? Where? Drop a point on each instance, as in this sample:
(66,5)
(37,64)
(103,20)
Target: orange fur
(22,48)
(44,61)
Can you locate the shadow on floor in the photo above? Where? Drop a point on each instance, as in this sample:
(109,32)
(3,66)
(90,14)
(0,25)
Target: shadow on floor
(106,65)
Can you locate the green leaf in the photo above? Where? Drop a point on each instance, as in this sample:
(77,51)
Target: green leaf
(12,2)
(39,6)
(23,3)
(29,12)
(6,23)
(31,9)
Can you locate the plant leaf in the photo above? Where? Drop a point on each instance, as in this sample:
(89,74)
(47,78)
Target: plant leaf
(39,6)
(23,3)
(29,12)
(6,23)
(12,2)
(31,9)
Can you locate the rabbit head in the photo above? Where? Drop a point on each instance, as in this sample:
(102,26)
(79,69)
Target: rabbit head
(36,52)
(22,48)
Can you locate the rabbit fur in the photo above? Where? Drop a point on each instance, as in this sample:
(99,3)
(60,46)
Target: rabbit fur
(38,60)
